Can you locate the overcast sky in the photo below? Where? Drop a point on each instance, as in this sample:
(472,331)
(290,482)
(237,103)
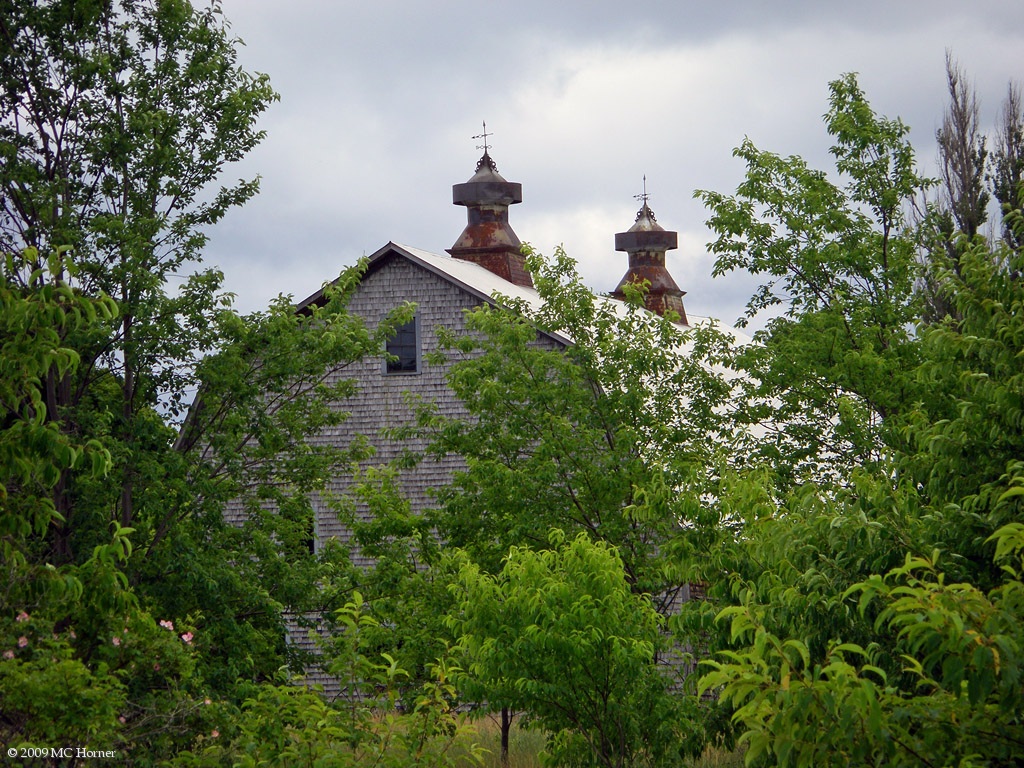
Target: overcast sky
(379,103)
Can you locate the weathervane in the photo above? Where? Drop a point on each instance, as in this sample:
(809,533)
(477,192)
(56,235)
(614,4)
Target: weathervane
(485,147)
(483,136)
(643,198)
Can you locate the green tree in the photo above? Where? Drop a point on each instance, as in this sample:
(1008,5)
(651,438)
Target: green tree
(828,376)
(79,654)
(877,621)
(33,451)
(885,627)
(39,676)
(239,478)
(560,634)
(117,121)
(225,587)
(585,415)
(286,725)
(407,588)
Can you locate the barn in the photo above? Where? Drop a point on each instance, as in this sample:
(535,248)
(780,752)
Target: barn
(485,262)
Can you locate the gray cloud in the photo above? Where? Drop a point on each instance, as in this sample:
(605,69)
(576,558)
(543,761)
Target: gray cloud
(378,104)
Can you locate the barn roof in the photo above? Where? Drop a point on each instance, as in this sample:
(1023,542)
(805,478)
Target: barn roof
(486,285)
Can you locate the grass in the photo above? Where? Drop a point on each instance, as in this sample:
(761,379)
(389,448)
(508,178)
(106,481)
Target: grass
(715,757)
(525,746)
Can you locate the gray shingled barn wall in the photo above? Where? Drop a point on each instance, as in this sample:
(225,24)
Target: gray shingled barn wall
(381,401)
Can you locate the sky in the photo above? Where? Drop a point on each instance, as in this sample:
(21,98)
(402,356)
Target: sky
(379,104)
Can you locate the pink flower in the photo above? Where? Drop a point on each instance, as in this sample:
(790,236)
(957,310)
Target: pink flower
(207,702)
(22,641)
(187,637)
(122,720)
(167,624)
(214,733)
(22,617)
(156,666)
(8,654)
(116,640)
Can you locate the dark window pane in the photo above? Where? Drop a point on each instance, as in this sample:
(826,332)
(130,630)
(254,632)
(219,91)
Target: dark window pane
(404,347)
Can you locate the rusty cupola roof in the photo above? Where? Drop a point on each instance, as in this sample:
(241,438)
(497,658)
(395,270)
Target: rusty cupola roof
(646,242)
(488,239)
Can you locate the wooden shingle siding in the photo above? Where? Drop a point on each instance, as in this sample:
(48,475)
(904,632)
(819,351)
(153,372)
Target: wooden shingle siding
(442,289)
(381,402)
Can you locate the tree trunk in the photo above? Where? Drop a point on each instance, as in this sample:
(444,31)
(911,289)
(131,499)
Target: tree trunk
(506,726)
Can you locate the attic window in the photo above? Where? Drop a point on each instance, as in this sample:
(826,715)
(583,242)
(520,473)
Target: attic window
(403,350)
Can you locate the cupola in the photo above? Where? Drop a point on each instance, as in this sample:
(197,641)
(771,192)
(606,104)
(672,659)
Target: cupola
(488,240)
(646,242)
